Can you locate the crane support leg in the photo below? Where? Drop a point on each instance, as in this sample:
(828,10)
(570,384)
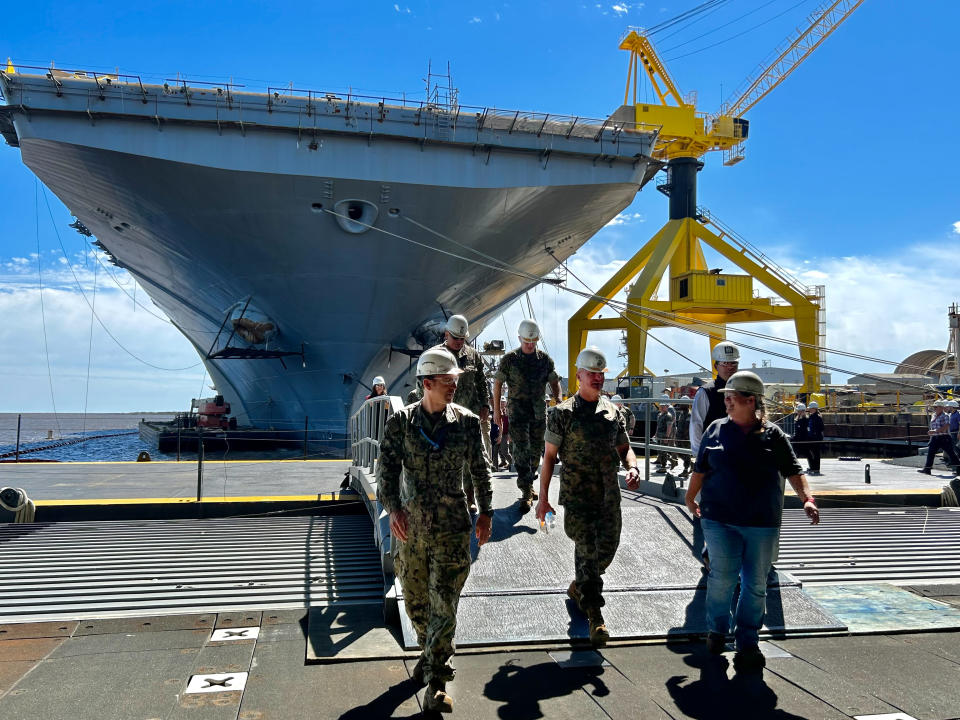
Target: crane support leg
(805,320)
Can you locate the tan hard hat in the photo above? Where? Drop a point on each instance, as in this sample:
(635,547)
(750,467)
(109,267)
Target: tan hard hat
(592,359)
(529,331)
(437,361)
(725,352)
(745,382)
(457,326)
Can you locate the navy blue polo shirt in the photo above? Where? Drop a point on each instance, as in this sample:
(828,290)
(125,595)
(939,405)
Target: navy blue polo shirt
(742,473)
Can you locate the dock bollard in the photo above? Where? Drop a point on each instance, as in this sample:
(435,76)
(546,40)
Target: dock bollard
(16,501)
(866,473)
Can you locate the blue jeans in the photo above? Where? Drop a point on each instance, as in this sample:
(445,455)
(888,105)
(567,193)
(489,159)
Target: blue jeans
(738,550)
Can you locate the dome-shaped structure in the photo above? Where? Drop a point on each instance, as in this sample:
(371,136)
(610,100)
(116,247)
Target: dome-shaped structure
(927,362)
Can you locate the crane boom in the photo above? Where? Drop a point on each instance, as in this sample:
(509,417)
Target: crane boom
(826,19)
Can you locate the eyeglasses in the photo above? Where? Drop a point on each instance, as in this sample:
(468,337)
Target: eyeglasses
(728,362)
(448,380)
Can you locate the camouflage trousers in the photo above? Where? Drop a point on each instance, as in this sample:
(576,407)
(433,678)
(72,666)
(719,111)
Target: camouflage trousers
(488,455)
(432,567)
(526,433)
(595,531)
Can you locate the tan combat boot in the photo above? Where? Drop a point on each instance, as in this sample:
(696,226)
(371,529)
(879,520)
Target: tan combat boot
(526,499)
(435,699)
(598,628)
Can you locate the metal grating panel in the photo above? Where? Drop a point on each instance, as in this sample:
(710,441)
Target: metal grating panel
(88,569)
(896,545)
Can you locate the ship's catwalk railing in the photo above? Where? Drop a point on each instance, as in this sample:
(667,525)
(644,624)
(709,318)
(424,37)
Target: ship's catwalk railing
(366,429)
(366,114)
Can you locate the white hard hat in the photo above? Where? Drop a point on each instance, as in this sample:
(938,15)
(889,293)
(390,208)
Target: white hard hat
(746,382)
(457,327)
(725,352)
(953,404)
(529,331)
(437,361)
(591,358)
(800,406)
(616,399)
(938,403)
(378,380)
(814,405)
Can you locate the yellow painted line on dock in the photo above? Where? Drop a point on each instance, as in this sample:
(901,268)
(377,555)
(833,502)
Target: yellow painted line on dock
(866,491)
(323,497)
(101,463)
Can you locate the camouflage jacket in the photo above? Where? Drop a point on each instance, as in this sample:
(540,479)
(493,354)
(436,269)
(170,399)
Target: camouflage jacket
(472,390)
(527,376)
(421,471)
(588,443)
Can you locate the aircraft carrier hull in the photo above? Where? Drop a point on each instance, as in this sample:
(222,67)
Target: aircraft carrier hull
(349,239)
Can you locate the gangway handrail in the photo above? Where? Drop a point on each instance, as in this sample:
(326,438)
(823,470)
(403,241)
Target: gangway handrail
(366,429)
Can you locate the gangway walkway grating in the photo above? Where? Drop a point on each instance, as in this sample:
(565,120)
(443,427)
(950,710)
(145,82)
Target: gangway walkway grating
(905,546)
(81,570)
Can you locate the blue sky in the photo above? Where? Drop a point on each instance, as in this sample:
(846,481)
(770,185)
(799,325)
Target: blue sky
(850,178)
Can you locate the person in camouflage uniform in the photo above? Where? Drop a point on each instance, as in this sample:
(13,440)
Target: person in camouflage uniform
(472,389)
(526,371)
(588,434)
(423,454)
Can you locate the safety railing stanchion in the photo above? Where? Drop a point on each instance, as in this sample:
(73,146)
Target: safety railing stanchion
(646,439)
(199,465)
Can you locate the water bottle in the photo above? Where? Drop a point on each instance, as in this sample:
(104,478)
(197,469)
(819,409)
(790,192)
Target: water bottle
(549,522)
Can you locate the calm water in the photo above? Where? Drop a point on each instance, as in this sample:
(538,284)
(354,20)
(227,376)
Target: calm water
(124,442)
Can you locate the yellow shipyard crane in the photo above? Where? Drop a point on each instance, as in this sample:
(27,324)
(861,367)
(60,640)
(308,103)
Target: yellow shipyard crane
(701,299)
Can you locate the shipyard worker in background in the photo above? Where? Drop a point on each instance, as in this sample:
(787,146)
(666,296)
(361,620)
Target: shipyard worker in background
(425,449)
(800,423)
(628,415)
(953,408)
(589,435)
(682,438)
(666,432)
(526,371)
(814,437)
(472,389)
(379,387)
(738,472)
(708,402)
(940,440)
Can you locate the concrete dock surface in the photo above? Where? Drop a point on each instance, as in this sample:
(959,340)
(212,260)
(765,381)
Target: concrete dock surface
(141,668)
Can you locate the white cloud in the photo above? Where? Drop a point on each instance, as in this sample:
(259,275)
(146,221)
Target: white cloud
(118,382)
(397,8)
(620,9)
(475,20)
(956,227)
(626,218)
